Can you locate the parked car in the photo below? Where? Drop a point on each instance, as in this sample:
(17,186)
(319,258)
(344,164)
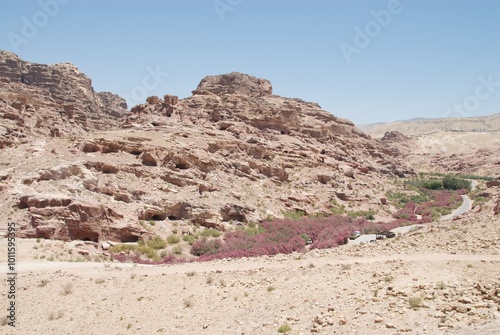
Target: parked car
(355,235)
(386,234)
(390,234)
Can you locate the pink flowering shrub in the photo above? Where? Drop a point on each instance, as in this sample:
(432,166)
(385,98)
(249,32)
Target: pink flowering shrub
(440,201)
(287,235)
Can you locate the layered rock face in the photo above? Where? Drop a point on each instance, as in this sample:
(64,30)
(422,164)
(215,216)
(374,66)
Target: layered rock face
(231,153)
(51,100)
(234,83)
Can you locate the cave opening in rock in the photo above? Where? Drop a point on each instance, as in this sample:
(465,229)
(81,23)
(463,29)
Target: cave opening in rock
(125,239)
(181,166)
(174,218)
(158,217)
(237,217)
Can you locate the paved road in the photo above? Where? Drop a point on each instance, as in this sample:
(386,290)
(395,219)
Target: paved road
(465,207)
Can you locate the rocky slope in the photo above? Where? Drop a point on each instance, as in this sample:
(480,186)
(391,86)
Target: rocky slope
(51,100)
(231,153)
(466,153)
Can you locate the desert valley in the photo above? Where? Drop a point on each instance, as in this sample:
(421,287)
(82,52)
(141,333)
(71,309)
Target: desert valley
(235,211)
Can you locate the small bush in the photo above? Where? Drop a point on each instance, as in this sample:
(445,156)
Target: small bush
(345,266)
(126,248)
(157,243)
(284,329)
(415,302)
(173,239)
(294,215)
(211,232)
(67,289)
(205,247)
(55,315)
(99,281)
(388,279)
(43,283)
(177,250)
(189,238)
(441,285)
(188,303)
(271,288)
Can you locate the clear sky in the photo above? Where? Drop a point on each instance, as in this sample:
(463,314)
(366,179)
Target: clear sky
(368,60)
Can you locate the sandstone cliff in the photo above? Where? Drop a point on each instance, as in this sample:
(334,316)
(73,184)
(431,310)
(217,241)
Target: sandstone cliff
(51,100)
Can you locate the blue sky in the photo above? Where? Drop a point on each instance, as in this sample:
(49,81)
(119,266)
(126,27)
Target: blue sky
(368,60)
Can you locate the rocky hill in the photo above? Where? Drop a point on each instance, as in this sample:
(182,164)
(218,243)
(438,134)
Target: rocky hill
(75,165)
(51,100)
(468,145)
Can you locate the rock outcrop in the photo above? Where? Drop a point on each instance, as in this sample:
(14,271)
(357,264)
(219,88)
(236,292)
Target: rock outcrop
(234,83)
(52,100)
(394,136)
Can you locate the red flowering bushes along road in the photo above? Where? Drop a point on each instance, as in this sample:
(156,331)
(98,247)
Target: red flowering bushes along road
(286,236)
(441,202)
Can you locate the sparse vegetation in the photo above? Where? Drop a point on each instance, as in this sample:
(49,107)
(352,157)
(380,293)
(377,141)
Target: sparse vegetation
(345,266)
(388,279)
(157,243)
(415,302)
(369,214)
(67,289)
(294,215)
(284,329)
(173,239)
(55,315)
(177,250)
(43,283)
(189,238)
(211,232)
(188,303)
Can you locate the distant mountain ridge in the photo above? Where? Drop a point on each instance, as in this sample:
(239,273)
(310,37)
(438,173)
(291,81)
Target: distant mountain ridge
(421,126)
